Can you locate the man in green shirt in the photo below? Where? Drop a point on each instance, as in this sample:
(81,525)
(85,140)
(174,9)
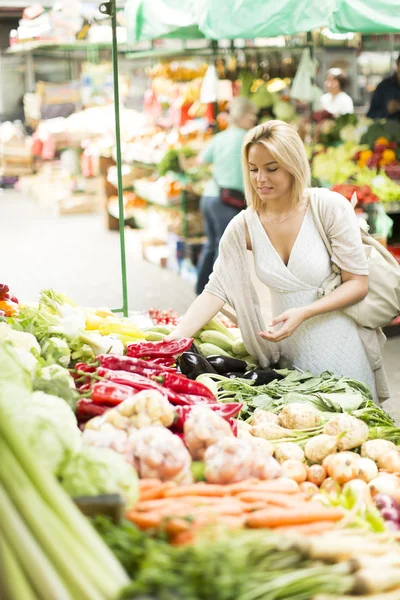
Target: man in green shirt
(224,153)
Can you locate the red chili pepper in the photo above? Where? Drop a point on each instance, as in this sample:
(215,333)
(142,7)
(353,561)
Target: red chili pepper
(194,399)
(184,385)
(225,410)
(165,363)
(163,348)
(107,393)
(130,364)
(234,426)
(179,399)
(86,410)
(133,380)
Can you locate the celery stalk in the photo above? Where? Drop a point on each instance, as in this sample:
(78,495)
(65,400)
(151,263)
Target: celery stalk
(55,497)
(16,583)
(16,535)
(53,536)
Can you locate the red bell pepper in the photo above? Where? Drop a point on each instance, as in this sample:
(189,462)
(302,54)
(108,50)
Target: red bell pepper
(162,349)
(184,385)
(107,393)
(86,410)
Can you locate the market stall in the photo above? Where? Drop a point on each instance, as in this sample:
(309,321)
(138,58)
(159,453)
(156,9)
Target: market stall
(205,475)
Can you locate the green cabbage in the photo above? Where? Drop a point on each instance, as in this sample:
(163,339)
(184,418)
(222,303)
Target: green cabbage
(50,429)
(96,471)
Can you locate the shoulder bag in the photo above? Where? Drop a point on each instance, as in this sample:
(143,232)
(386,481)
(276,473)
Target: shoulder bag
(382,303)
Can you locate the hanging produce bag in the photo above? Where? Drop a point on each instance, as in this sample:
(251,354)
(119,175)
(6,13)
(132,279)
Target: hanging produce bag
(302,87)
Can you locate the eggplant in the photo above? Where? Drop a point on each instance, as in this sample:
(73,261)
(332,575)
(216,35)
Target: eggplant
(262,377)
(234,375)
(192,365)
(227,364)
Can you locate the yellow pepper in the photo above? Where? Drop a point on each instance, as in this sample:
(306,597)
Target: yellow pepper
(93,321)
(120,328)
(103,312)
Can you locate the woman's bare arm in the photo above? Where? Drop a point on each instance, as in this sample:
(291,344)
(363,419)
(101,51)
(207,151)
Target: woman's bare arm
(202,310)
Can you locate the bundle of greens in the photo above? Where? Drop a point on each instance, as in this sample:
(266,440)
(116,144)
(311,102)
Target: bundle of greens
(246,565)
(328,393)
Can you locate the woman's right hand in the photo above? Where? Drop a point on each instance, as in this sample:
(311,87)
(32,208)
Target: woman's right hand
(202,310)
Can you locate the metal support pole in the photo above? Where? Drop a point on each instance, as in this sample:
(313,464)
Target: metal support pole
(110,9)
(310,43)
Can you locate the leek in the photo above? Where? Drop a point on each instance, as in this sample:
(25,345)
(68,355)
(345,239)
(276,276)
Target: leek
(60,503)
(35,564)
(17,585)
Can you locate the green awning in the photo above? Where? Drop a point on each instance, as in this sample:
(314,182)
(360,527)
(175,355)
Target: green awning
(230,19)
(366,16)
(226,19)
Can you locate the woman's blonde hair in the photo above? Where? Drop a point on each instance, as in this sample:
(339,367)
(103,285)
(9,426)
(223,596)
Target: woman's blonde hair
(287,148)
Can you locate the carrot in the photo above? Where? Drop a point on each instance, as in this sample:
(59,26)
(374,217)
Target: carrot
(198,489)
(241,486)
(282,485)
(156,491)
(145,484)
(277,517)
(184,538)
(159,503)
(148,520)
(284,500)
(174,526)
(307,528)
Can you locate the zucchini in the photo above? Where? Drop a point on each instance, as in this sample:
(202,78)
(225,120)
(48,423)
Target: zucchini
(239,348)
(216,338)
(211,350)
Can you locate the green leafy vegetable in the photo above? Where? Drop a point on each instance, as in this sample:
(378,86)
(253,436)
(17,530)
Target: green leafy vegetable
(95,471)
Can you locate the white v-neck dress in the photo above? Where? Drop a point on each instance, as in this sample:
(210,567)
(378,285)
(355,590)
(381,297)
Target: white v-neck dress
(324,343)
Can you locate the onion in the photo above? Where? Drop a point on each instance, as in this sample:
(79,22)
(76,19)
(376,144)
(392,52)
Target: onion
(331,487)
(385,501)
(359,489)
(316,474)
(390,461)
(309,488)
(343,469)
(385,483)
(390,514)
(368,469)
(294,469)
(392,525)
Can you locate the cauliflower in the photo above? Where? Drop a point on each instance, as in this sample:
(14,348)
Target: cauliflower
(288,450)
(144,409)
(203,428)
(158,453)
(299,416)
(319,447)
(263,416)
(107,436)
(351,432)
(231,460)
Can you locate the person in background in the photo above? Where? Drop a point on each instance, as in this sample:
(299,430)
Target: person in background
(336,101)
(224,153)
(385,102)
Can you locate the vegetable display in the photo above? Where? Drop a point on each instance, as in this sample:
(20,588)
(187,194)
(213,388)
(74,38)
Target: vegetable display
(203,448)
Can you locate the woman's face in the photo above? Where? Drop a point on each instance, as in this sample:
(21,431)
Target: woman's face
(332,85)
(270,181)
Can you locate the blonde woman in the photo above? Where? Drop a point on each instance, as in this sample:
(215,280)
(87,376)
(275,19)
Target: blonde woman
(291,259)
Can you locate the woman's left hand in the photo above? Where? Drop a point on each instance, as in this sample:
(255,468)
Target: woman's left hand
(291,320)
